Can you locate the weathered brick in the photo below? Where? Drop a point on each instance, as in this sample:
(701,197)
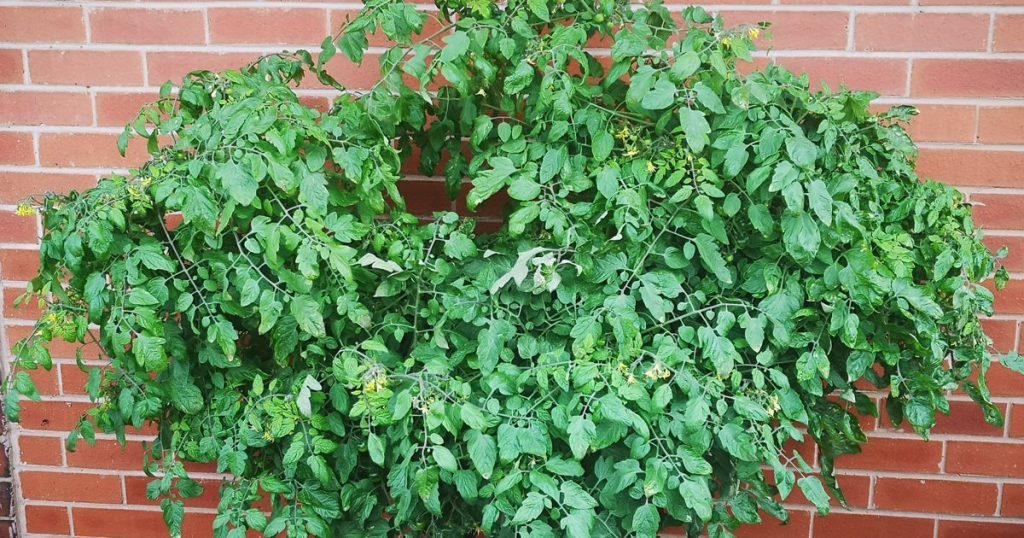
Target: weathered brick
(46,108)
(936,496)
(92,488)
(85,67)
(921,31)
(148,26)
(24,24)
(277,26)
(985,459)
(1008,33)
(967,78)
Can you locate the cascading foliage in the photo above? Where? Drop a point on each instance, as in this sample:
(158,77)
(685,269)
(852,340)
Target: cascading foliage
(696,269)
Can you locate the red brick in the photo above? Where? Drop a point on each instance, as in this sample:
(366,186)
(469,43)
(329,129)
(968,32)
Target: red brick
(884,454)
(985,459)
(278,26)
(807,449)
(88,150)
(17,229)
(41,450)
(1013,500)
(845,525)
(147,26)
(712,2)
(972,2)
(52,416)
(19,264)
(110,523)
(16,148)
(882,75)
(72,379)
(967,78)
(1017,422)
(46,108)
(81,487)
(1010,300)
(47,520)
(164,66)
(825,30)
(46,381)
(7,507)
(936,496)
(1003,332)
(42,24)
(1008,33)
(322,104)
(972,167)
(107,455)
(16,186)
(1004,382)
(1001,125)
(11,68)
(979,529)
(85,67)
(423,198)
(943,123)
(1014,260)
(798,525)
(859,2)
(921,31)
(119,109)
(998,211)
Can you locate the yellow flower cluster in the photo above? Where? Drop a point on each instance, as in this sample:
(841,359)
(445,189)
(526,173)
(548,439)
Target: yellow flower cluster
(658,371)
(773,405)
(624,370)
(25,210)
(376,383)
(137,192)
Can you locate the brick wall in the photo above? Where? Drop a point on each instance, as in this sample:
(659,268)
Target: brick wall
(71,73)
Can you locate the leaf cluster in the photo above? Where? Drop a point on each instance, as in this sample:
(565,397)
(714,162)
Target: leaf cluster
(696,269)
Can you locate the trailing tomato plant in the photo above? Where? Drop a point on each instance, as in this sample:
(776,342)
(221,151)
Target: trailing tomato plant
(696,268)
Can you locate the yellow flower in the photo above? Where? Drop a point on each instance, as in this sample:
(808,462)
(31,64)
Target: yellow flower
(773,404)
(650,166)
(633,152)
(379,382)
(631,379)
(754,33)
(25,210)
(727,42)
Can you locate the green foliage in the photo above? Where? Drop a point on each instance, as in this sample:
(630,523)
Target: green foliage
(696,268)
